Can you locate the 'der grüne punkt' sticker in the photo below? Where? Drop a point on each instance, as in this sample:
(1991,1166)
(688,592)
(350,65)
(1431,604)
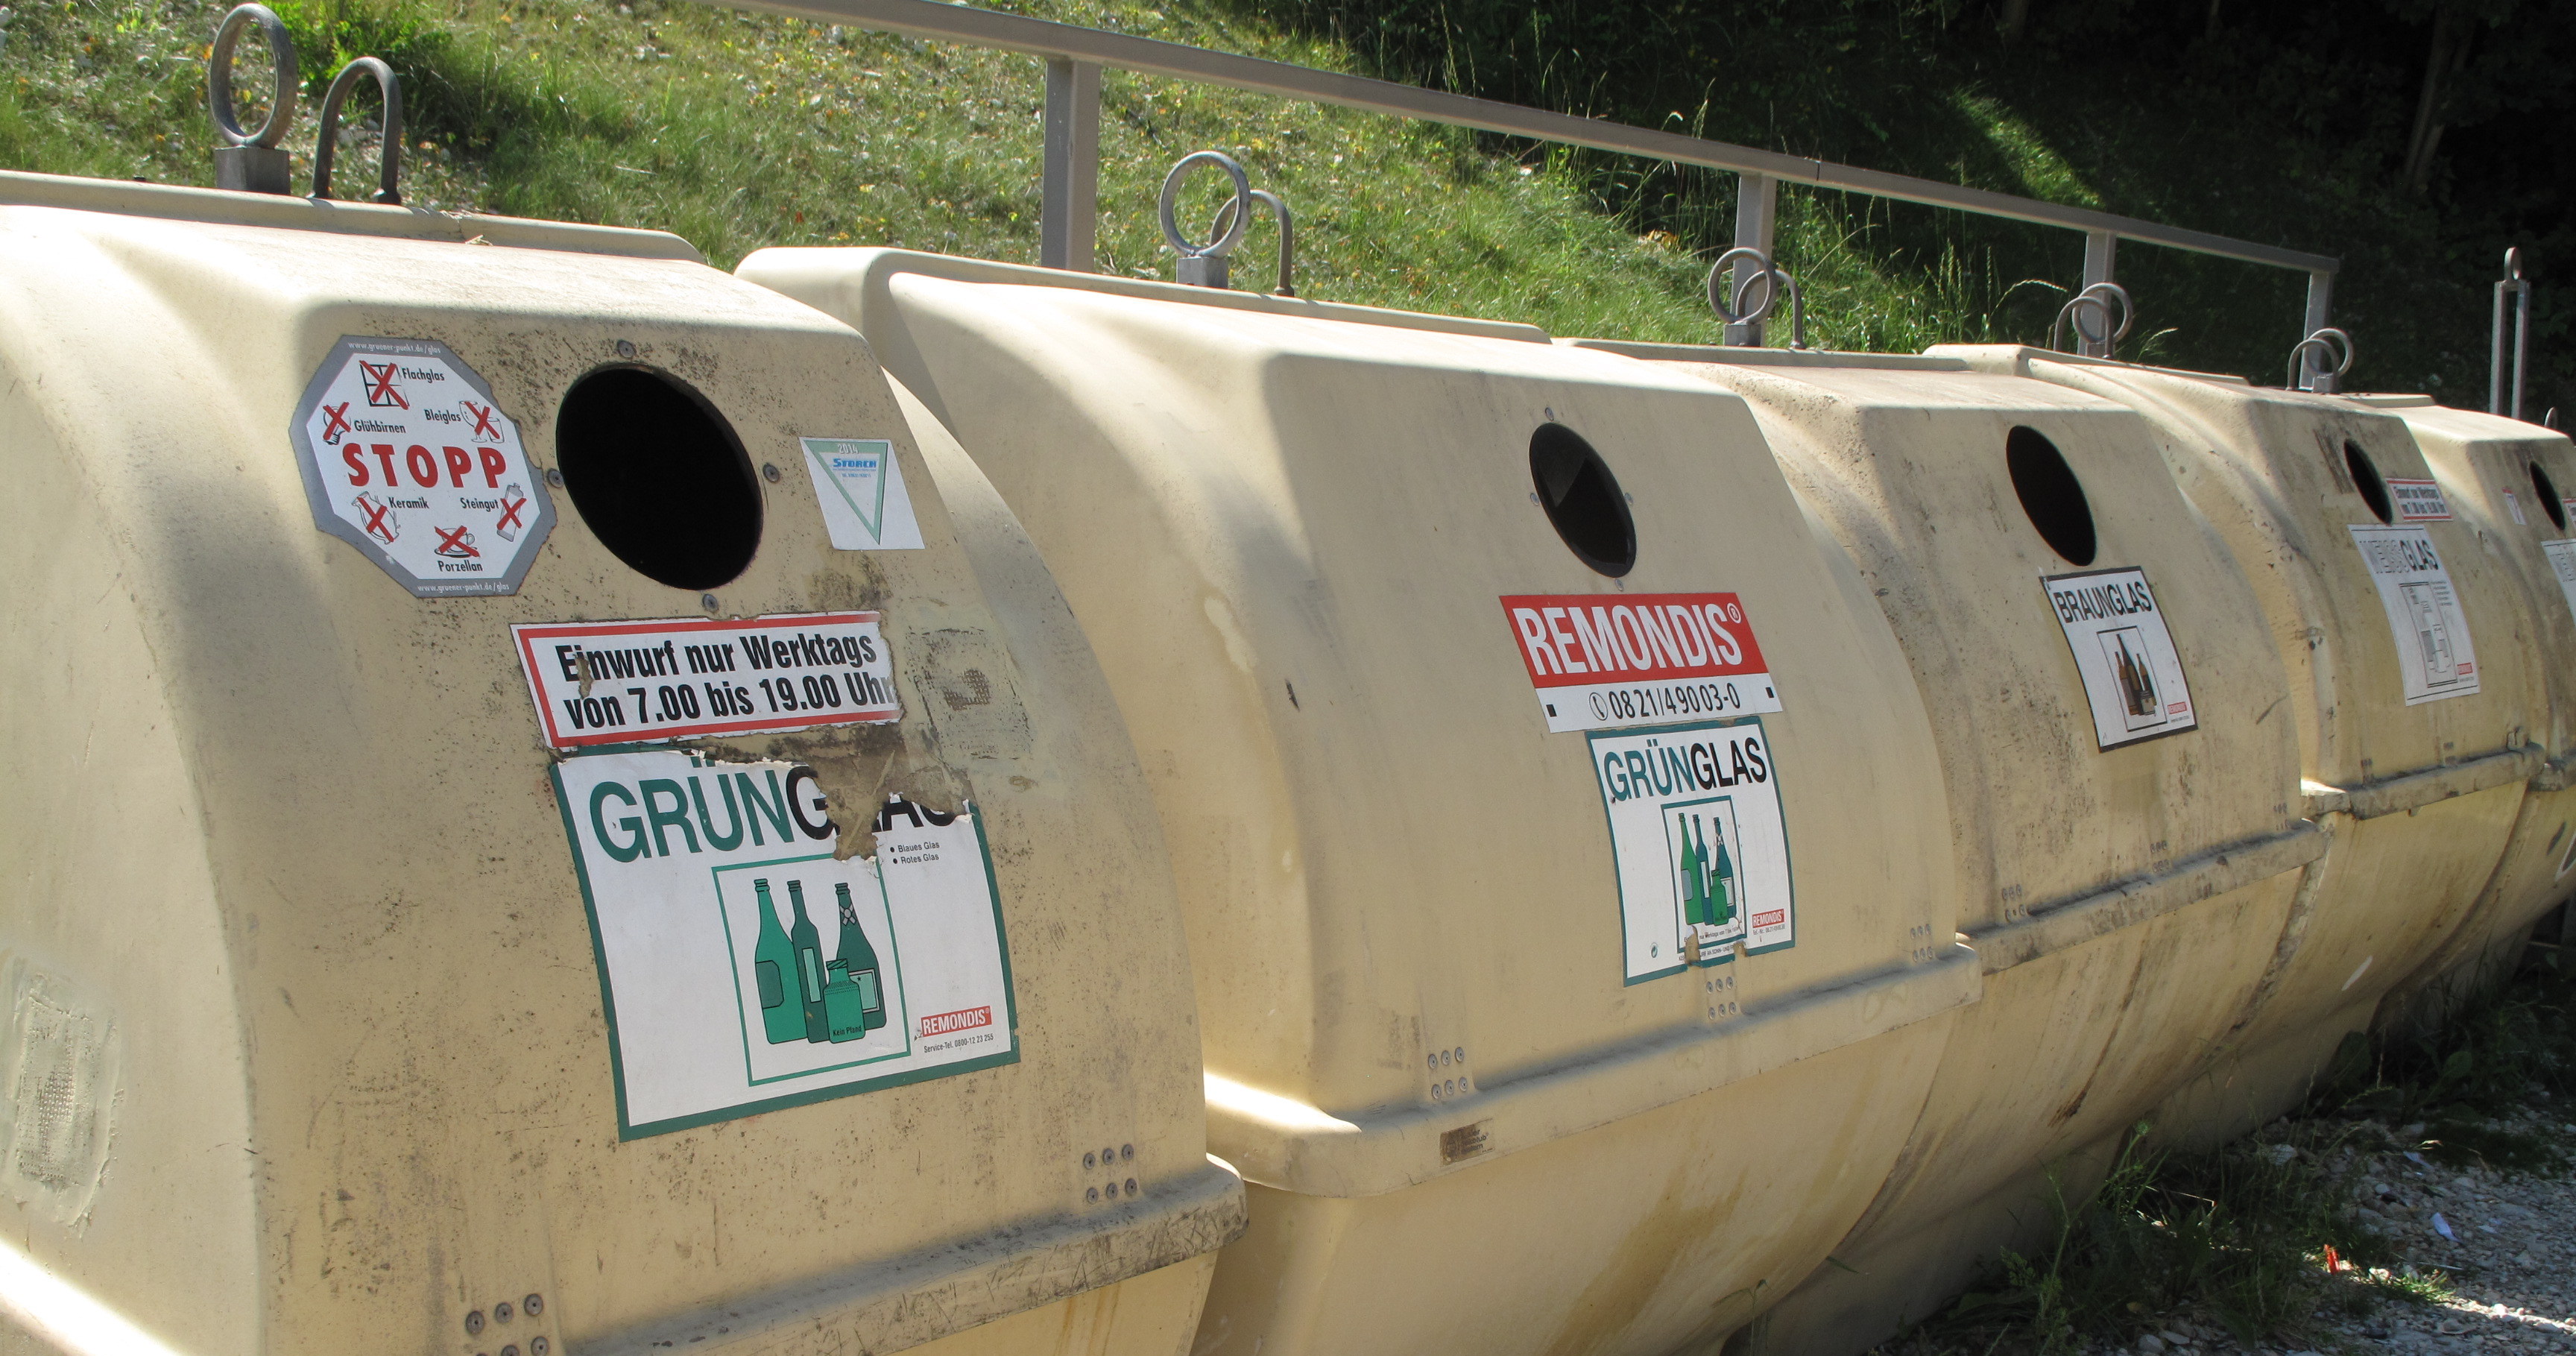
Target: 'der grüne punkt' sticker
(743,968)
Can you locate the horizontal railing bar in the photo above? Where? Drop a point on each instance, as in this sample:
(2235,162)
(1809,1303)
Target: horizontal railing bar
(1043,37)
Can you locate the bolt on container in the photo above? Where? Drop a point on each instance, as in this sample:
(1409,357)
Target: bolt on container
(491,872)
(1558,826)
(2123,796)
(2508,481)
(2414,689)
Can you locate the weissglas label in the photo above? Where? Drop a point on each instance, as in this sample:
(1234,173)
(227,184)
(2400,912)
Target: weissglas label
(743,968)
(1639,659)
(2133,679)
(2435,658)
(640,682)
(1702,852)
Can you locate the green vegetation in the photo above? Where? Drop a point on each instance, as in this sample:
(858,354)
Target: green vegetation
(2243,1235)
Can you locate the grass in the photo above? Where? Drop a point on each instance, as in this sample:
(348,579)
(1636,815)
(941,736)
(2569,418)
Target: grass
(2244,1235)
(739,131)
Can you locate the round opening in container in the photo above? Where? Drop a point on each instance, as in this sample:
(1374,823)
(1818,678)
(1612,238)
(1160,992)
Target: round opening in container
(2050,494)
(2550,503)
(658,477)
(2365,478)
(1583,500)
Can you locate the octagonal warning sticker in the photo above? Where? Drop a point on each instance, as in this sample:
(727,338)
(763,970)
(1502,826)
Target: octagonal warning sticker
(407,457)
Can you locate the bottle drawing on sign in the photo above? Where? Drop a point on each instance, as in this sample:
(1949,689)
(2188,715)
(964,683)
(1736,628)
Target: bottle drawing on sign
(1694,877)
(809,966)
(2136,681)
(854,996)
(1721,894)
(773,960)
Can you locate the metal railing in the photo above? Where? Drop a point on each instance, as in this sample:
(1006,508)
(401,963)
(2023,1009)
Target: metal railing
(1075,57)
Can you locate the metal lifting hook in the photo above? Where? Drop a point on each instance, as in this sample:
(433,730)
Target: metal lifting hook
(2321,378)
(1225,214)
(1739,314)
(2100,339)
(1205,265)
(389,168)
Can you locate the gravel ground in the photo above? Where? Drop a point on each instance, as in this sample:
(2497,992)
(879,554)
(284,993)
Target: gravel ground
(2506,1240)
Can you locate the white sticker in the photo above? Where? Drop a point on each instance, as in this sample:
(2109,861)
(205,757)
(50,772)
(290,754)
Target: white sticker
(860,484)
(743,969)
(2513,505)
(2562,563)
(1703,857)
(2132,676)
(2434,655)
(406,456)
(2418,501)
(641,682)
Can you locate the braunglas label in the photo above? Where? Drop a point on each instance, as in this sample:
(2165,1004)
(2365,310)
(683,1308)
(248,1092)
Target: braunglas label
(635,682)
(2435,658)
(2133,679)
(1702,853)
(407,457)
(743,967)
(1639,659)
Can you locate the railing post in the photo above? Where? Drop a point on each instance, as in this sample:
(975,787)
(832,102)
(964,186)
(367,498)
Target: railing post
(1757,209)
(1069,206)
(2101,249)
(2320,315)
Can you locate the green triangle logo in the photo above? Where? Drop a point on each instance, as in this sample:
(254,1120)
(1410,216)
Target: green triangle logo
(858,469)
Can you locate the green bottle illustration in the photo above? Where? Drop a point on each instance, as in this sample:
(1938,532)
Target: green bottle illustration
(1694,882)
(1721,895)
(773,959)
(809,966)
(858,962)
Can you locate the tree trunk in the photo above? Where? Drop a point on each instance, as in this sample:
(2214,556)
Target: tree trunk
(2210,33)
(2418,169)
(2016,18)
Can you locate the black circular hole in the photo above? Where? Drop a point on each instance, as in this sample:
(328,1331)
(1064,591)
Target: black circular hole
(659,477)
(2365,478)
(1583,500)
(2547,489)
(2050,494)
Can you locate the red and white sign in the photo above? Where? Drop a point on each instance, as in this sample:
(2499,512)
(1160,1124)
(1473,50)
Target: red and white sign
(407,457)
(634,682)
(2418,501)
(965,1019)
(1601,661)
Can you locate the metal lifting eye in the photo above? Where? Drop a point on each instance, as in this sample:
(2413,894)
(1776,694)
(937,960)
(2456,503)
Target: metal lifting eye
(1205,265)
(2098,338)
(1743,315)
(1225,215)
(389,169)
(2322,345)
(251,161)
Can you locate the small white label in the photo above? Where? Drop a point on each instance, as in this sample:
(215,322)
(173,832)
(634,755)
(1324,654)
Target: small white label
(746,969)
(860,484)
(640,682)
(2419,501)
(2132,677)
(2562,563)
(2434,655)
(2513,505)
(1703,857)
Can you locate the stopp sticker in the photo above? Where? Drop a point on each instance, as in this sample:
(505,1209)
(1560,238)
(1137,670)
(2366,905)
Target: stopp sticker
(743,968)
(407,457)
(2435,658)
(1639,659)
(640,682)
(1702,852)
(2132,677)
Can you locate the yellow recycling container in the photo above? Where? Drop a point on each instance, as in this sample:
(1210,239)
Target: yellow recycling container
(1559,831)
(545,821)
(2124,800)
(2508,480)
(2414,689)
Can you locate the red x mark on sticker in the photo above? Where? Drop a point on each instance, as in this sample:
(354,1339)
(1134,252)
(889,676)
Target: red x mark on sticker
(483,426)
(509,513)
(339,421)
(452,543)
(376,525)
(380,384)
